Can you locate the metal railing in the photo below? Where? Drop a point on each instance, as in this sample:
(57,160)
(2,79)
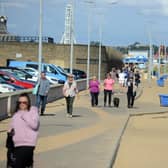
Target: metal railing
(8,100)
(34,39)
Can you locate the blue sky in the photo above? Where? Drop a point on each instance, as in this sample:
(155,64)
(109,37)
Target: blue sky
(122,23)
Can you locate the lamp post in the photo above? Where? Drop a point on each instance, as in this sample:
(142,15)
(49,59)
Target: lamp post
(100,40)
(88,52)
(150,60)
(72,39)
(165,59)
(40,37)
(100,55)
(159,63)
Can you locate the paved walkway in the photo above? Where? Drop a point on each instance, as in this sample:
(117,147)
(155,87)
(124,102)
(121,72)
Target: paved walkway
(89,139)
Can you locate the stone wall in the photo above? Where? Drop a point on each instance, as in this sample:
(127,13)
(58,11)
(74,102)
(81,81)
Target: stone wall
(57,54)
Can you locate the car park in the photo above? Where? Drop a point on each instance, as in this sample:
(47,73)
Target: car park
(51,71)
(20,73)
(34,72)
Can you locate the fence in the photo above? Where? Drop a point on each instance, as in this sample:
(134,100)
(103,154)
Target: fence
(8,100)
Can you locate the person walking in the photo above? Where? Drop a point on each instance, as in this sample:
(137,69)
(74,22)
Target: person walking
(108,89)
(41,97)
(94,91)
(69,91)
(131,92)
(122,80)
(25,126)
(137,78)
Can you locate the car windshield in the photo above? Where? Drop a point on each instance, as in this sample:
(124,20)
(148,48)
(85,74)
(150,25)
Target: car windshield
(2,80)
(59,70)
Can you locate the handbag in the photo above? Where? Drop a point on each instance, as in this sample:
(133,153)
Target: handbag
(9,139)
(10,149)
(35,89)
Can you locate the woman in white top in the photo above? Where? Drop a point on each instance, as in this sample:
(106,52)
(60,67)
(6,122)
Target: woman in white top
(122,79)
(70,90)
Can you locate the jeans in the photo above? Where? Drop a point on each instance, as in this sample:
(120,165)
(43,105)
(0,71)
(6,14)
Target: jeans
(41,100)
(94,98)
(69,103)
(109,93)
(130,99)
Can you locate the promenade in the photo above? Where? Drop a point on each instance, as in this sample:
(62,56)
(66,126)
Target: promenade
(91,137)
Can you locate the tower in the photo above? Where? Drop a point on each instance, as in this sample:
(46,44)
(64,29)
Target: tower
(69,26)
(3,25)
(4,34)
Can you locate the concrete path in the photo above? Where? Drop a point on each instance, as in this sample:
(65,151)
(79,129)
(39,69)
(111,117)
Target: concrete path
(88,140)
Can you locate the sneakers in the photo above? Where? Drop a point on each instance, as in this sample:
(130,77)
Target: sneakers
(69,115)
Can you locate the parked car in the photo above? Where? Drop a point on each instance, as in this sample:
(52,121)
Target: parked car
(35,73)
(50,70)
(4,88)
(20,73)
(31,71)
(11,78)
(3,81)
(60,70)
(79,74)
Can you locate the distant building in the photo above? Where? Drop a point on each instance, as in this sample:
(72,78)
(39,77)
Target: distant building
(135,53)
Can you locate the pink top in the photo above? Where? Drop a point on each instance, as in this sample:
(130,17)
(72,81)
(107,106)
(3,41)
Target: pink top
(109,84)
(25,125)
(94,86)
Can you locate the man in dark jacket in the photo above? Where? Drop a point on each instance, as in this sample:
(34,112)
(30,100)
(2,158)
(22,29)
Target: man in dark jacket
(131,93)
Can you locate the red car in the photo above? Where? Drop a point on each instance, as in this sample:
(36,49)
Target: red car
(11,78)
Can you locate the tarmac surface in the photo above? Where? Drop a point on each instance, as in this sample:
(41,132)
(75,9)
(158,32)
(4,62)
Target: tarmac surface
(90,139)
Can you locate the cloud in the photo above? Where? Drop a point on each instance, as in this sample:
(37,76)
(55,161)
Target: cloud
(164,4)
(149,7)
(140,2)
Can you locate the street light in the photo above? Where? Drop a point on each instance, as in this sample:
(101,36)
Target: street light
(40,37)
(159,63)
(150,71)
(72,38)
(100,40)
(100,55)
(88,56)
(165,59)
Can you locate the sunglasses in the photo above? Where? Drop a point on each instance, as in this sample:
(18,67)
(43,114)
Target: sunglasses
(23,102)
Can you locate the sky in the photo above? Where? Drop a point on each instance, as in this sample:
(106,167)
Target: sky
(122,22)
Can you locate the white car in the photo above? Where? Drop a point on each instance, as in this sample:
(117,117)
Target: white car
(52,80)
(4,88)
(32,71)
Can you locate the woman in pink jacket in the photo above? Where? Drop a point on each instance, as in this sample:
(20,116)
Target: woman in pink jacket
(108,89)
(25,123)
